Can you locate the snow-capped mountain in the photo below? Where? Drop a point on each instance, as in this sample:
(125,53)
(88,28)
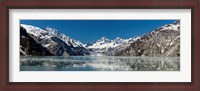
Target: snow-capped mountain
(164,41)
(50,32)
(28,46)
(175,26)
(66,39)
(103,43)
(57,43)
(119,40)
(108,47)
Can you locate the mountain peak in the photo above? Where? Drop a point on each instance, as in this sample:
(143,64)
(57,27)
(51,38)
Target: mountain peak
(49,32)
(119,40)
(103,39)
(174,26)
(49,28)
(36,31)
(177,22)
(52,30)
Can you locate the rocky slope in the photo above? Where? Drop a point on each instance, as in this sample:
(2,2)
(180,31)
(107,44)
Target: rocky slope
(56,43)
(28,46)
(164,41)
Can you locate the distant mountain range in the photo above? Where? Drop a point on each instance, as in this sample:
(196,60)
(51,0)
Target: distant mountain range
(163,41)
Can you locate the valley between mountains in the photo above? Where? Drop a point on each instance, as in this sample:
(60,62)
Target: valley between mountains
(161,42)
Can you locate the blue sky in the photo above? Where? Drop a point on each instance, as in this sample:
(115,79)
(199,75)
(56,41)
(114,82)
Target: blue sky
(88,31)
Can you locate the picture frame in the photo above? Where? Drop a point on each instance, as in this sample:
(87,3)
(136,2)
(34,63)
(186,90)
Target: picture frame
(119,4)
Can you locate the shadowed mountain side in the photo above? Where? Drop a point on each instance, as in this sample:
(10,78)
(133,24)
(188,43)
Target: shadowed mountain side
(28,46)
(54,42)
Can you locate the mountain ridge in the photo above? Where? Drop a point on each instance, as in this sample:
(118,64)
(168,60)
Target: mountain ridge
(163,41)
(58,44)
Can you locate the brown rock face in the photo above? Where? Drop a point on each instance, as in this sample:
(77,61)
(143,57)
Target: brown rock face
(161,42)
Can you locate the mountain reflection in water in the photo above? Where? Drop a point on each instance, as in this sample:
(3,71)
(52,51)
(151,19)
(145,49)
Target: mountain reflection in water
(99,63)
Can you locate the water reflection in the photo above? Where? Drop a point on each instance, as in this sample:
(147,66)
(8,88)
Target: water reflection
(103,63)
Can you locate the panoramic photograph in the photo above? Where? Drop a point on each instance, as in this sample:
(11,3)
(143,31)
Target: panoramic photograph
(99,45)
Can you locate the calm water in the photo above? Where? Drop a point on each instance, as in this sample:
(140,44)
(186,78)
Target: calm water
(99,63)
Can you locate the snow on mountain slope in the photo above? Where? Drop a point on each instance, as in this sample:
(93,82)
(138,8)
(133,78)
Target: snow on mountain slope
(67,39)
(175,26)
(105,43)
(163,41)
(49,33)
(102,43)
(36,31)
(28,46)
(163,37)
(57,43)
(108,47)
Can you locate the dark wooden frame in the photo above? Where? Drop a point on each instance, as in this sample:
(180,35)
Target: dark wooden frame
(103,4)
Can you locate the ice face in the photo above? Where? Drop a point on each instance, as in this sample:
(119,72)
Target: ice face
(103,63)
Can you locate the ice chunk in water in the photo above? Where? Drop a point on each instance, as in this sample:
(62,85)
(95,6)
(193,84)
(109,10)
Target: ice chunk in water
(97,63)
